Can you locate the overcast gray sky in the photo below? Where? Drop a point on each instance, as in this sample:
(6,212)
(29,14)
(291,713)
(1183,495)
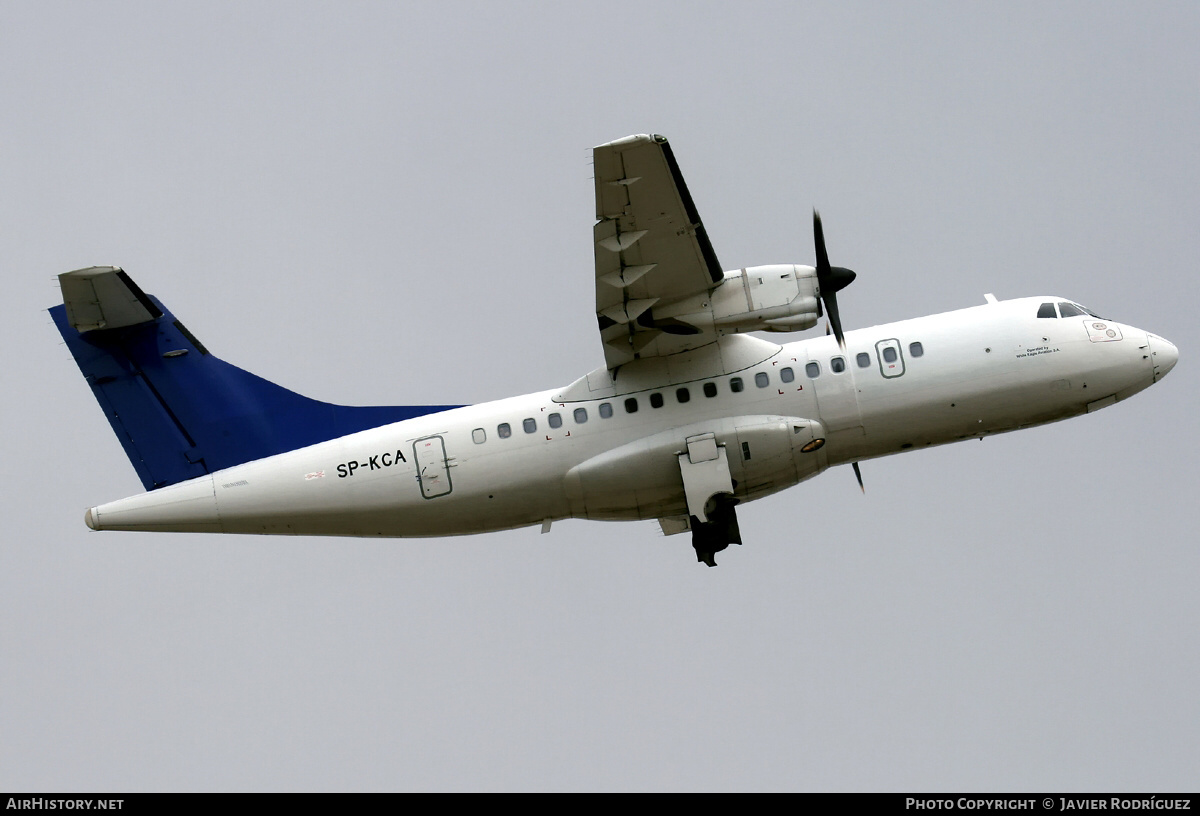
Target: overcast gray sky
(387,203)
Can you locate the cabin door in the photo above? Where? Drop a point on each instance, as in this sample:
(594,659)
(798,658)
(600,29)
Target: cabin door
(433,470)
(891,358)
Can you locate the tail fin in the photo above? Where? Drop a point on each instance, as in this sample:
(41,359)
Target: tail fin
(178,411)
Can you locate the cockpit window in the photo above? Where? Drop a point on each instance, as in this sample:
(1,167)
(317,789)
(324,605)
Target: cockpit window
(1046,310)
(1069,309)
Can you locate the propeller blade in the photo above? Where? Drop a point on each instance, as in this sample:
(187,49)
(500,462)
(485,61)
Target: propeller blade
(822,255)
(858,475)
(831,309)
(830,280)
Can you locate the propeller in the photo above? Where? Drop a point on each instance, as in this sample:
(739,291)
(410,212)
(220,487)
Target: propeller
(830,280)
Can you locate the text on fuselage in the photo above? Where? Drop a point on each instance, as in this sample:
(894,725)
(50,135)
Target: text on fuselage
(376,462)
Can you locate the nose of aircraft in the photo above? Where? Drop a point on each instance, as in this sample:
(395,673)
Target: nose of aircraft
(1163,354)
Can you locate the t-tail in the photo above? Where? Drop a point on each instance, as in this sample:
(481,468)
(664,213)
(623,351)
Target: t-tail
(178,411)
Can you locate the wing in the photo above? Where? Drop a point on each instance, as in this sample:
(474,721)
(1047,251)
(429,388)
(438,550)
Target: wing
(653,257)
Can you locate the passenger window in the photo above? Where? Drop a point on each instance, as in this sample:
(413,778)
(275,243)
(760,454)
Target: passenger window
(916,349)
(479,435)
(605,410)
(889,354)
(503,430)
(656,400)
(786,374)
(555,420)
(761,379)
(735,385)
(1069,310)
(682,394)
(863,359)
(1046,310)
(812,370)
(580,416)
(837,365)
(631,405)
(710,389)
(530,425)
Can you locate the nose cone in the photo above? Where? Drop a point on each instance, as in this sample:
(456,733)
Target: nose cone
(1164,355)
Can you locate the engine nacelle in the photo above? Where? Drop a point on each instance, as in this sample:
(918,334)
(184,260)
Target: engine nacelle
(642,479)
(777,297)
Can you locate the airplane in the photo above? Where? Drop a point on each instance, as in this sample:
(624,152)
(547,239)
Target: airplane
(689,417)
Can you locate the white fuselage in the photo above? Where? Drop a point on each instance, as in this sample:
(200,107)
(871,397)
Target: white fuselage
(977,371)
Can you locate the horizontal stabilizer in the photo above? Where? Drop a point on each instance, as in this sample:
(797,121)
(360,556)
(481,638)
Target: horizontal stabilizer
(178,411)
(104,297)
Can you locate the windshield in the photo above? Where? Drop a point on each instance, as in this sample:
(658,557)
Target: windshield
(1069,309)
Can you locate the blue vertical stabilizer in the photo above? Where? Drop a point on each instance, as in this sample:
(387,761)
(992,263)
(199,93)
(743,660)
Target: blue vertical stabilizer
(178,411)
